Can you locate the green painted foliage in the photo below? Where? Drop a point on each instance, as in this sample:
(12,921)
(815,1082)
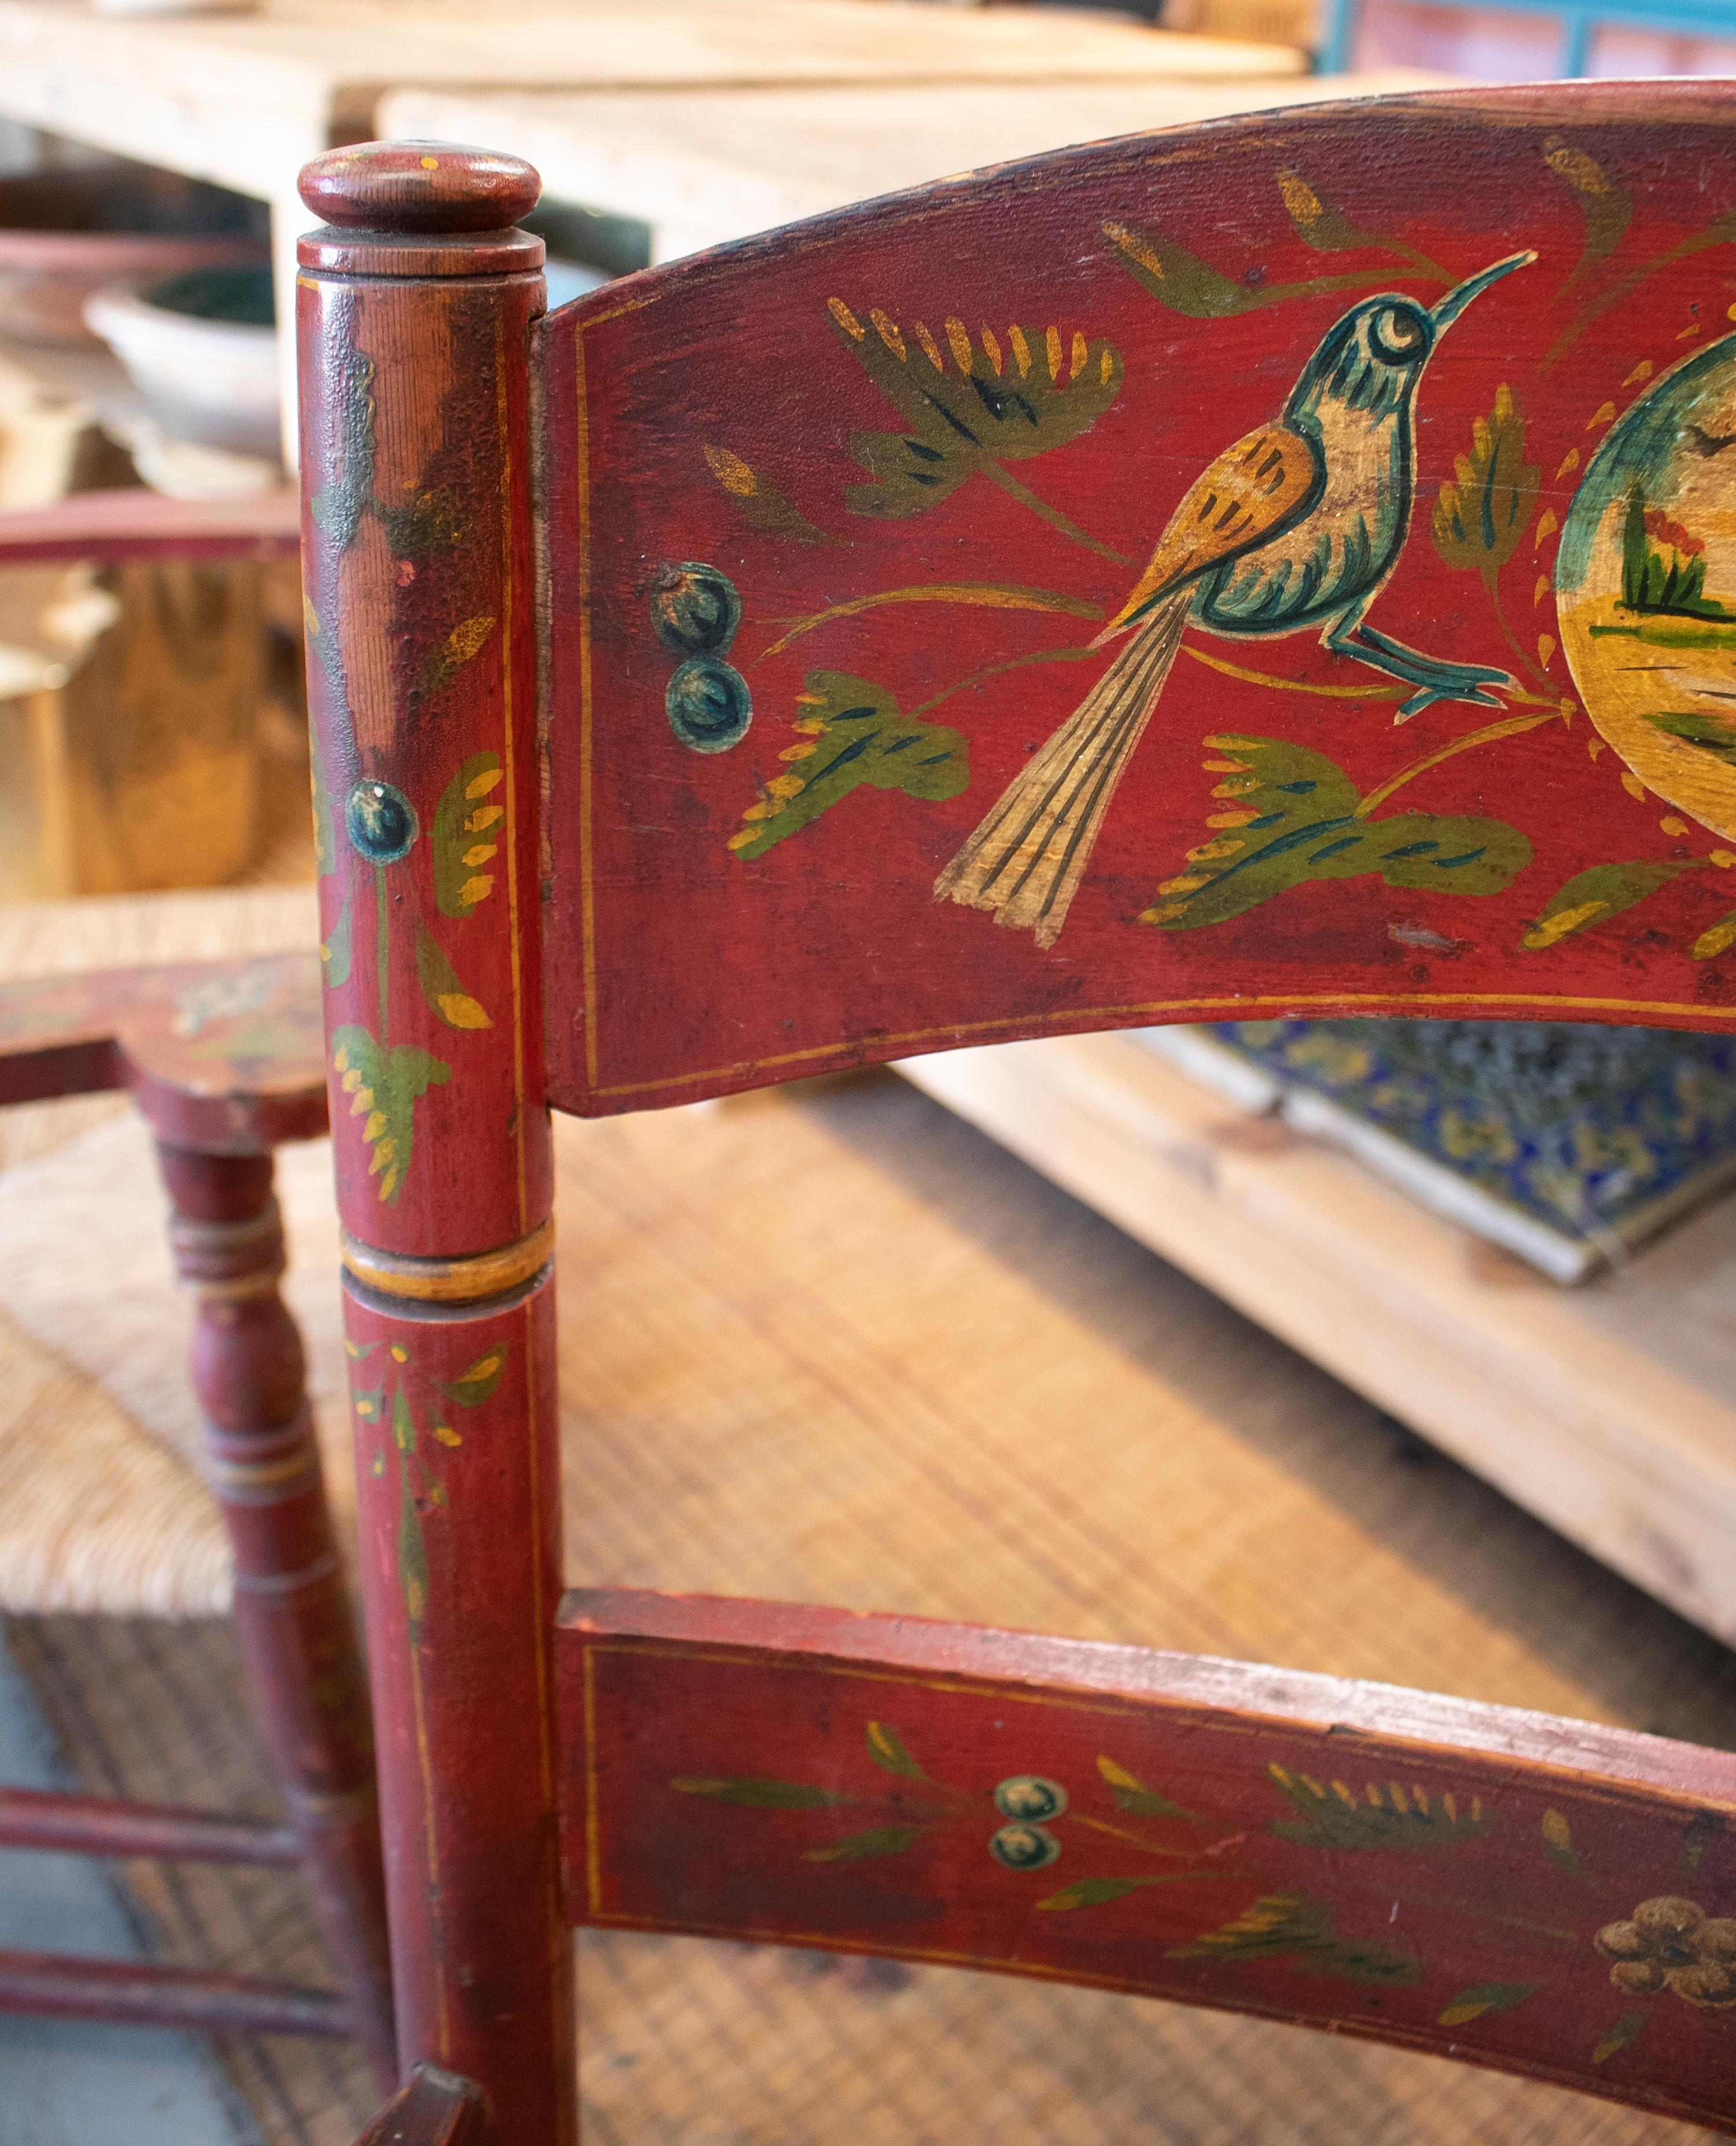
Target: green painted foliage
(1296,1926)
(1132,1795)
(968,404)
(886,1748)
(850,732)
(756,1793)
(1296,817)
(1484,1997)
(1384,1816)
(1479,518)
(388,1084)
(1594,897)
(479,1381)
(860,1847)
(463,839)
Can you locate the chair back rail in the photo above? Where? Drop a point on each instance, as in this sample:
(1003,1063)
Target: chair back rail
(1203,556)
(1511,1890)
(1275,567)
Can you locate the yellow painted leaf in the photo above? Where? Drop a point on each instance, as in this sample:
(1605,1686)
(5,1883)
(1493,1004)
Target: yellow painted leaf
(1545,649)
(1713,940)
(460,1011)
(486,781)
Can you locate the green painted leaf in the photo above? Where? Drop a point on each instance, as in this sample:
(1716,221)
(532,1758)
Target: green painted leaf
(1715,736)
(479,1381)
(1320,224)
(967,405)
(1296,1926)
(856,1847)
(1479,518)
(445,995)
(1131,1794)
(757,1794)
(384,1087)
(760,503)
(465,835)
(412,1552)
(885,1747)
(1180,280)
(1381,1814)
(424,525)
(465,640)
(850,732)
(1594,896)
(1604,201)
(1484,1997)
(403,1423)
(1093,1891)
(334,948)
(1617,2038)
(1287,816)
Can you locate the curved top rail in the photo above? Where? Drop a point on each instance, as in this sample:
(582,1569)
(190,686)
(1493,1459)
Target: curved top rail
(1284,565)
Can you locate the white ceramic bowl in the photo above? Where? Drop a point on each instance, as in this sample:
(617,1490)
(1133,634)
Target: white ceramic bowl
(213,381)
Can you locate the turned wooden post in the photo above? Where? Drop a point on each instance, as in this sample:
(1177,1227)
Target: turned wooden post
(291,1611)
(414,316)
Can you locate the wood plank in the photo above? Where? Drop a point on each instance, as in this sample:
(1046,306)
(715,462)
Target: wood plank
(1609,1412)
(135,524)
(1495,1885)
(239,98)
(704,167)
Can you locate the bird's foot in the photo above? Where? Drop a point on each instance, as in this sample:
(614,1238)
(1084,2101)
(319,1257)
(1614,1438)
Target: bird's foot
(1469,682)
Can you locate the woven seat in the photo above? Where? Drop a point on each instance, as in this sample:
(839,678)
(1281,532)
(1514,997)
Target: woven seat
(106,1509)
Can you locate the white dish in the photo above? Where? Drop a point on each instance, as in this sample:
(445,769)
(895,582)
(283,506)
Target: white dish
(211,381)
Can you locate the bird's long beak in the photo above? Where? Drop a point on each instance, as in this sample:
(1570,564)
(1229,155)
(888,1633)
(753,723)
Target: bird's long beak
(1460,296)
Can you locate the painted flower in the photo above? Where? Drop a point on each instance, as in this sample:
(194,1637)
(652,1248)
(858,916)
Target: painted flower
(1672,1943)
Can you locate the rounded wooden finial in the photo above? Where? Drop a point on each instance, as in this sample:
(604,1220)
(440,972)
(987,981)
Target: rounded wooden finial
(419,187)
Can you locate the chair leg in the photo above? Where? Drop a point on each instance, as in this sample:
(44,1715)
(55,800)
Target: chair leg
(291,1609)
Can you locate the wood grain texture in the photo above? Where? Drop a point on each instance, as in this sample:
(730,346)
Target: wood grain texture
(1537,1895)
(1433,813)
(416,472)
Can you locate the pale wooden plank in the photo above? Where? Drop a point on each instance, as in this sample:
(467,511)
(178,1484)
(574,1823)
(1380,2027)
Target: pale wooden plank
(705,166)
(1609,1412)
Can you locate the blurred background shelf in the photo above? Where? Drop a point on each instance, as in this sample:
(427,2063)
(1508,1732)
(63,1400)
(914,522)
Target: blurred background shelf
(1608,1410)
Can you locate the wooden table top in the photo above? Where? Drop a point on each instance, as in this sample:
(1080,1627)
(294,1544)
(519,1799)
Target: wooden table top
(704,167)
(242,98)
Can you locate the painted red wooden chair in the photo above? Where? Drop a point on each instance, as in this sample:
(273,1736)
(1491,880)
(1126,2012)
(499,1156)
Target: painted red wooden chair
(702,675)
(224,1060)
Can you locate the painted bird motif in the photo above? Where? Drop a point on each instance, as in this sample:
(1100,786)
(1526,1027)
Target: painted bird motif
(1296,525)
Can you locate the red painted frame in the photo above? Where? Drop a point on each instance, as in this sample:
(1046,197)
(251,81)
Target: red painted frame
(713,925)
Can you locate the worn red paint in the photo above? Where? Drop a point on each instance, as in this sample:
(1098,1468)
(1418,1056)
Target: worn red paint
(677,970)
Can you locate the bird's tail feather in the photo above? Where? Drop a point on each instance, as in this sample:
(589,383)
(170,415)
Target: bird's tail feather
(1026,858)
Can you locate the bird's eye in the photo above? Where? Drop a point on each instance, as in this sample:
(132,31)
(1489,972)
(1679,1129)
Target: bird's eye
(1397,335)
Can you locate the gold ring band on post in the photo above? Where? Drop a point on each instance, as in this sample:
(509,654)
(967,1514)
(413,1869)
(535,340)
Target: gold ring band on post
(464,1280)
